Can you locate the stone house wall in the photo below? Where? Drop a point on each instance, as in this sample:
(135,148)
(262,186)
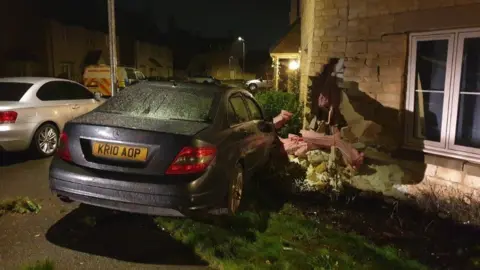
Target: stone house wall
(163,55)
(372,36)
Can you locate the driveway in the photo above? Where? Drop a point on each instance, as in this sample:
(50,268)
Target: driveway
(75,236)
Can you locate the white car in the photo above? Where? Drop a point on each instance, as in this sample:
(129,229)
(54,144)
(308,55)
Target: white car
(34,110)
(254,84)
(203,79)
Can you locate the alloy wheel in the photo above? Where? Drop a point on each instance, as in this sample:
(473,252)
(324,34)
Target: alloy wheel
(236,192)
(47,140)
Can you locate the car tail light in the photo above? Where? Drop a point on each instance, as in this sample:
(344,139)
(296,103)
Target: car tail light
(8,117)
(63,151)
(192,160)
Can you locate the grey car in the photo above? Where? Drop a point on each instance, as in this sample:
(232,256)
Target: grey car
(163,148)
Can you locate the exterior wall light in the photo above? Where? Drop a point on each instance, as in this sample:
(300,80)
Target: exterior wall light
(293,65)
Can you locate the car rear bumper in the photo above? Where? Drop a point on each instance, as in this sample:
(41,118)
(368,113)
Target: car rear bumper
(86,186)
(16,137)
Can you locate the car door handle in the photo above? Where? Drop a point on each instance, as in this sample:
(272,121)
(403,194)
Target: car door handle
(243,131)
(75,107)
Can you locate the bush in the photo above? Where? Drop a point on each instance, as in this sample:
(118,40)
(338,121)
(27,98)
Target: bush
(275,101)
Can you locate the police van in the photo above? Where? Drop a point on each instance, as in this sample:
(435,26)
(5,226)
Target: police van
(97,78)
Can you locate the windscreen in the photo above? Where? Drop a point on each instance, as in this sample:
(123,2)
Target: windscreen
(12,91)
(160,103)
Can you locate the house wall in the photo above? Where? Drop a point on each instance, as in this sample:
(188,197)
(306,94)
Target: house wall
(162,54)
(21,30)
(372,37)
(70,45)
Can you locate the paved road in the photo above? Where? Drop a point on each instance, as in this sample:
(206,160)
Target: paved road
(66,234)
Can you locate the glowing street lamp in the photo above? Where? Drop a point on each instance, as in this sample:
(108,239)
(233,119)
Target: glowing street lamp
(243,53)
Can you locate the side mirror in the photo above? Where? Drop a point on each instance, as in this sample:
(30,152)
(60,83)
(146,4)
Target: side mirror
(97,96)
(265,127)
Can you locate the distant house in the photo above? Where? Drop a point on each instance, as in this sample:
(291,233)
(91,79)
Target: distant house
(286,53)
(221,65)
(59,38)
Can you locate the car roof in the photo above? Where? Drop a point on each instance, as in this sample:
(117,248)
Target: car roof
(185,86)
(32,80)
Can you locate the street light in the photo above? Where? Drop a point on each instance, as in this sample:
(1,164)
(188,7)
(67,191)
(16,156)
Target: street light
(293,65)
(112,45)
(243,53)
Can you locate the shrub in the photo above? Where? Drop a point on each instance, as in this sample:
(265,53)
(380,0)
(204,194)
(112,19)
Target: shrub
(273,102)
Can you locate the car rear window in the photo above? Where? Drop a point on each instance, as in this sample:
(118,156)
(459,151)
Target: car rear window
(159,103)
(12,91)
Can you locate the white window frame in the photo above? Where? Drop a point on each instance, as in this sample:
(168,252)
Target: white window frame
(446,146)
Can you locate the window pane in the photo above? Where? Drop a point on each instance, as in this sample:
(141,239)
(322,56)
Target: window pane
(11,91)
(254,110)
(468,120)
(430,74)
(240,109)
(431,65)
(428,115)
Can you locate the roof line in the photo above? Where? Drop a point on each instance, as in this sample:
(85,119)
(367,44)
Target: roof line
(292,26)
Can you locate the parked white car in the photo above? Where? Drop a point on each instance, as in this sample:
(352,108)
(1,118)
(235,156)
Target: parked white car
(254,84)
(203,79)
(34,110)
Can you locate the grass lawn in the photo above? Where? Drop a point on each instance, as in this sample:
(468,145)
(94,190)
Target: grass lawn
(41,265)
(284,239)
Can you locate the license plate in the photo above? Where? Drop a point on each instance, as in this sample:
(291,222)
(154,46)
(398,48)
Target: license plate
(117,151)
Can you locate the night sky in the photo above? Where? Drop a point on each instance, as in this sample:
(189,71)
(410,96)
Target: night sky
(260,22)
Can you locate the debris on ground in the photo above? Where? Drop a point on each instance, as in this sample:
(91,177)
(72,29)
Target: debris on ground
(19,206)
(347,156)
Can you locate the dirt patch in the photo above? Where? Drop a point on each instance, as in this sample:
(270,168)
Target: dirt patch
(433,241)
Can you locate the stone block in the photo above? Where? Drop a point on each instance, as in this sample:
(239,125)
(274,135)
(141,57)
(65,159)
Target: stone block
(368,72)
(333,46)
(358,11)
(374,62)
(336,32)
(434,4)
(472,181)
(472,169)
(382,48)
(354,62)
(450,174)
(340,3)
(445,162)
(394,88)
(377,7)
(397,6)
(389,100)
(358,47)
(372,87)
(329,12)
(431,170)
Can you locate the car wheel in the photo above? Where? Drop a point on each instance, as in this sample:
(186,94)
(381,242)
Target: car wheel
(252,87)
(235,192)
(45,140)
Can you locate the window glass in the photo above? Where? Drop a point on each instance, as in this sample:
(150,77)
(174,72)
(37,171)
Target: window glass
(76,91)
(11,91)
(51,91)
(430,74)
(468,118)
(241,112)
(162,103)
(254,109)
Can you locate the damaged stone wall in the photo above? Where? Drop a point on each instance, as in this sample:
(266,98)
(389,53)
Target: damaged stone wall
(371,35)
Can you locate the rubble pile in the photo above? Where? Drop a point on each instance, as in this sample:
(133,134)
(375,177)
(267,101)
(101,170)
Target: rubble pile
(356,154)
